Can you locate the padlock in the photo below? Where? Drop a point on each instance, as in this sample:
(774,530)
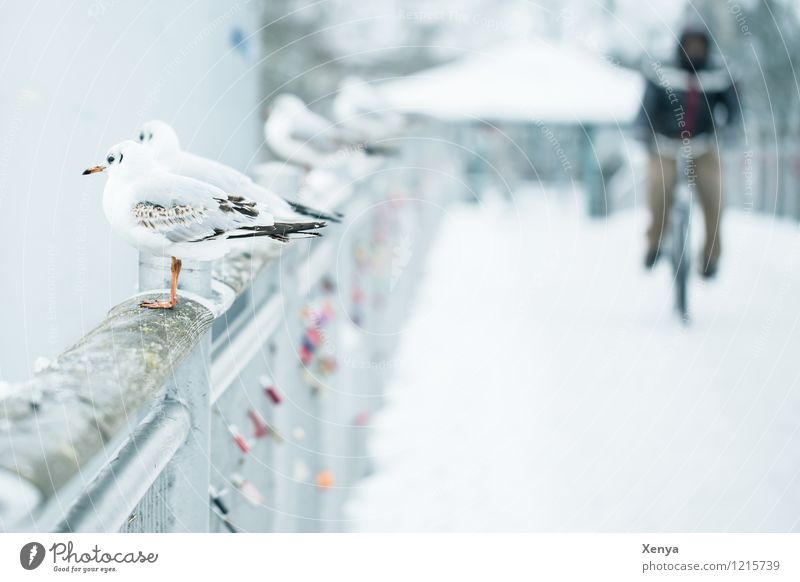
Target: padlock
(239,439)
(325,479)
(260,428)
(273,394)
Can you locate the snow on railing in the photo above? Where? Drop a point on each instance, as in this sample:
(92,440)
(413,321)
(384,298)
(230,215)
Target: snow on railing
(245,407)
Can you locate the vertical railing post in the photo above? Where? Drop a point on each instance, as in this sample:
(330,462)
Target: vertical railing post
(189,471)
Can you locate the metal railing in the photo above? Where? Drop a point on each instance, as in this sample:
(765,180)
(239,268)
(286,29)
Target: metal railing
(247,407)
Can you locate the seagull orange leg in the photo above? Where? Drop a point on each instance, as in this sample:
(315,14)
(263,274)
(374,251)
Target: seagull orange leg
(173,291)
(176,271)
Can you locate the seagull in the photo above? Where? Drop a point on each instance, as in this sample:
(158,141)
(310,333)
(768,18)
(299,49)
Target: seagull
(174,216)
(361,110)
(284,178)
(162,140)
(299,136)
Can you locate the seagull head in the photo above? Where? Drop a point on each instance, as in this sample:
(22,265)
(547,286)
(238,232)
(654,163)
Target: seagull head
(159,137)
(126,156)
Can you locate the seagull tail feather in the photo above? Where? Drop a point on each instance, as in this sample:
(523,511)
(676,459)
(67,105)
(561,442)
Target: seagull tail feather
(282,231)
(372,149)
(314,213)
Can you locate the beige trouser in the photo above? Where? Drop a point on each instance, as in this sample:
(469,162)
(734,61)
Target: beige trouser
(663,177)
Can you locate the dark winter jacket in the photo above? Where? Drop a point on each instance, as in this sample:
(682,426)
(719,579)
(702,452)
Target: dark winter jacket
(680,103)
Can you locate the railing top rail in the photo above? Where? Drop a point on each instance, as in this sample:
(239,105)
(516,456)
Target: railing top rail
(54,424)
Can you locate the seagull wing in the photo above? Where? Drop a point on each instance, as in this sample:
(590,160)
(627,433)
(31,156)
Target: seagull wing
(309,128)
(186,210)
(213,172)
(232,180)
(178,222)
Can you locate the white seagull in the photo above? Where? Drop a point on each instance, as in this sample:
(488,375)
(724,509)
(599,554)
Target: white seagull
(361,110)
(288,179)
(299,136)
(162,140)
(174,216)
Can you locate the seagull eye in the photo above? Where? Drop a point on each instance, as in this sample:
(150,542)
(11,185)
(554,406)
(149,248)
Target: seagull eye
(141,136)
(110,159)
(149,137)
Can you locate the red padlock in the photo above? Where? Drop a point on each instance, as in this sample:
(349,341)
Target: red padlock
(260,428)
(239,439)
(273,394)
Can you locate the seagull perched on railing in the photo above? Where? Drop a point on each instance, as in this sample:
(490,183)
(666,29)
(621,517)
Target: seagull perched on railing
(361,110)
(299,136)
(162,140)
(174,216)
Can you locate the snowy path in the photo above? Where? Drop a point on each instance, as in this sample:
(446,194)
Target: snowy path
(544,384)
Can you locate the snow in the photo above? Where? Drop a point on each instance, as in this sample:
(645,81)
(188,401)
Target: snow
(518,81)
(544,383)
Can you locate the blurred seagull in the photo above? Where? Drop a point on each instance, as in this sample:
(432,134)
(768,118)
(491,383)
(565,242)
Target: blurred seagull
(162,140)
(174,216)
(361,110)
(299,136)
(285,179)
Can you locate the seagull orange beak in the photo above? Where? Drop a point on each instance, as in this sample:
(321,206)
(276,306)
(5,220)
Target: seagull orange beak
(93,170)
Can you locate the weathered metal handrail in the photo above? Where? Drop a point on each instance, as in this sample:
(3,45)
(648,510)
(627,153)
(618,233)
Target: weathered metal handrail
(54,424)
(117,432)
(111,496)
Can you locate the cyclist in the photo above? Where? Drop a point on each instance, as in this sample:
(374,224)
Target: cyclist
(683,107)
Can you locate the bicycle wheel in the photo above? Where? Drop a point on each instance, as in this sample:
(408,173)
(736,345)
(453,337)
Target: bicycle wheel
(681,259)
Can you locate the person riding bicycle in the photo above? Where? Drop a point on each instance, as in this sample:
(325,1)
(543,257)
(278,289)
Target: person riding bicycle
(683,108)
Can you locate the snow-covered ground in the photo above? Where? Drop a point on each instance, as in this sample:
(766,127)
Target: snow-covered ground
(545,384)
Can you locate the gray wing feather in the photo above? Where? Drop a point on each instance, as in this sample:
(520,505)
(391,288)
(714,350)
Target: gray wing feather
(178,223)
(186,210)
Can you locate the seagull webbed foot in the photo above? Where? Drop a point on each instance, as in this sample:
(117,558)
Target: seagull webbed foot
(154,304)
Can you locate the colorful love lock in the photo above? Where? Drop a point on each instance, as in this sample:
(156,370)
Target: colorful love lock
(325,479)
(328,284)
(328,365)
(247,489)
(273,394)
(221,508)
(216,499)
(260,427)
(313,337)
(362,418)
(312,381)
(239,439)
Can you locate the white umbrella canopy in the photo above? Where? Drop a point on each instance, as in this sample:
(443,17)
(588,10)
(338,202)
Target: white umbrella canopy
(531,80)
